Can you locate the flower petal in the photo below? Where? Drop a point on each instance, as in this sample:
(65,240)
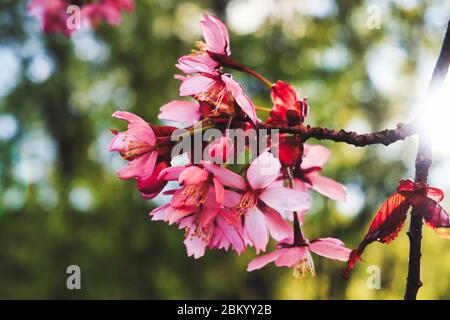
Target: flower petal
(180,111)
(255,225)
(240,96)
(291,257)
(328,187)
(141,167)
(330,248)
(282,198)
(278,227)
(216,35)
(263,171)
(226,177)
(192,175)
(195,85)
(264,259)
(314,156)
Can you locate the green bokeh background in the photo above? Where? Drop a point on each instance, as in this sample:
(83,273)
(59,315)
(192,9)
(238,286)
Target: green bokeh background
(61,204)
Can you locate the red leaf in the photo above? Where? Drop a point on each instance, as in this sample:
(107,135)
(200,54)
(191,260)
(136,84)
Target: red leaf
(385,226)
(435,216)
(435,194)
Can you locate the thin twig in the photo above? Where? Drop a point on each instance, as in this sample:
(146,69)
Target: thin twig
(423,164)
(385,137)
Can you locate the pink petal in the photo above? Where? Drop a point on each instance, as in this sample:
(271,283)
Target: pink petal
(141,167)
(175,214)
(215,34)
(128,116)
(241,98)
(220,191)
(255,225)
(159,213)
(138,126)
(195,64)
(226,177)
(195,85)
(328,187)
(282,198)
(330,248)
(195,246)
(231,199)
(171,173)
(232,235)
(180,111)
(261,261)
(263,171)
(314,156)
(278,227)
(210,208)
(192,175)
(291,257)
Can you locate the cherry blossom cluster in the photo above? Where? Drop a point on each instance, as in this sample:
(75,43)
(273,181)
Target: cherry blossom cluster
(56,16)
(231,206)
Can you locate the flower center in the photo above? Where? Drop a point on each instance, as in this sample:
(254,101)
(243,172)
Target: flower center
(247,201)
(134,147)
(304,266)
(195,194)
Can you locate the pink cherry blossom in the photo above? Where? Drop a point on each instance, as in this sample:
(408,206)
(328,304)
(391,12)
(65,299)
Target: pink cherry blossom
(137,145)
(314,157)
(216,36)
(212,85)
(202,189)
(299,257)
(262,199)
(51,14)
(105,10)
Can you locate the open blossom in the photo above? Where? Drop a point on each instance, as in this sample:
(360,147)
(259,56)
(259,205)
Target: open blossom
(314,157)
(261,198)
(299,257)
(137,145)
(214,86)
(199,205)
(54,17)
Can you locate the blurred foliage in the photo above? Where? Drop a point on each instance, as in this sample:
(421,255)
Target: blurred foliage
(61,204)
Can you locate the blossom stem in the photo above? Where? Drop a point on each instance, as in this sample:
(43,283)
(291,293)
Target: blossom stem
(299,239)
(230,63)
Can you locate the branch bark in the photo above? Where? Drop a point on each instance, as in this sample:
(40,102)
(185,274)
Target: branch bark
(423,164)
(385,137)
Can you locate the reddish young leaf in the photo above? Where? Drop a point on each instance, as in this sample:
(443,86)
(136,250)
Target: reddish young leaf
(385,226)
(434,215)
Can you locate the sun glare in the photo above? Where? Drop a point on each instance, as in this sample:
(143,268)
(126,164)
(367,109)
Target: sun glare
(436,119)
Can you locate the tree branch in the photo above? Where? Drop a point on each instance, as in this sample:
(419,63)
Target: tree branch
(385,137)
(423,164)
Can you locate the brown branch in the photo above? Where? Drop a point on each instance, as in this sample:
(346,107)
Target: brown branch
(385,137)
(423,163)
